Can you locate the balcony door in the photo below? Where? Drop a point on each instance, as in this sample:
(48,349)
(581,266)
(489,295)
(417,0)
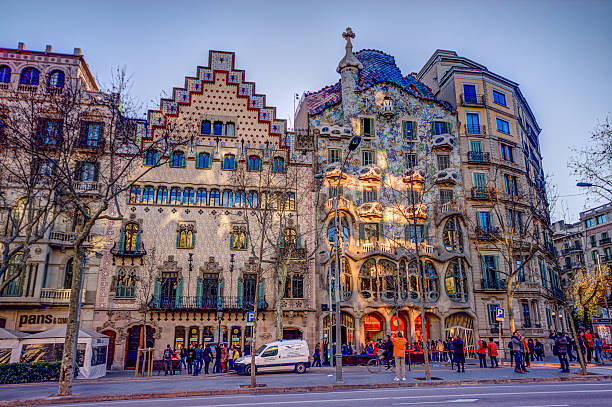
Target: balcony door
(469,93)
(210,287)
(250,286)
(169,284)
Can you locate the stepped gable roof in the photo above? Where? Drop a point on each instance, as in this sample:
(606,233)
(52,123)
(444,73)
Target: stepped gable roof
(378,67)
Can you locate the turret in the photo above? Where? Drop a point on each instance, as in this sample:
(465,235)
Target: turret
(348,68)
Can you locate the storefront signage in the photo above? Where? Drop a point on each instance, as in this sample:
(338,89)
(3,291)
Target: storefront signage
(36,320)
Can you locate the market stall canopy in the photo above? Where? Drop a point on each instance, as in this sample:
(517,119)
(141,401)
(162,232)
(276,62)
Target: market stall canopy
(12,334)
(61,333)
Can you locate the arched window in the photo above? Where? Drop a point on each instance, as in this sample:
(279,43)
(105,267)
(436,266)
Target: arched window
(455,281)
(413,281)
(432,282)
(131,238)
(230,129)
(206,127)
(368,275)
(214,198)
(188,196)
(228,199)
(134,194)
(388,279)
(178,159)
(201,197)
(254,163)
(151,157)
(278,164)
(14,288)
(218,128)
(290,201)
(452,235)
(56,79)
(29,76)
(68,273)
(229,162)
(162,195)
(331,230)
(5,74)
(238,238)
(289,237)
(185,239)
(239,199)
(253,199)
(175,196)
(148,194)
(203,160)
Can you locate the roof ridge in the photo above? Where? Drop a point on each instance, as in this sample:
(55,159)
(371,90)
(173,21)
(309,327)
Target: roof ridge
(375,50)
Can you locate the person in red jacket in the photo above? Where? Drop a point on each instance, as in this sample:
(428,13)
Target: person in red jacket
(492,347)
(482,353)
(589,344)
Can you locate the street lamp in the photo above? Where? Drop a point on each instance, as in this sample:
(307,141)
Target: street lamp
(353,144)
(584,184)
(219,318)
(329,291)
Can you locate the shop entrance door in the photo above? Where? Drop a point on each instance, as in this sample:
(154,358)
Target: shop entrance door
(112,336)
(131,349)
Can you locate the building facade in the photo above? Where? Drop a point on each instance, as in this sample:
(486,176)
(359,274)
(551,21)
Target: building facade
(501,167)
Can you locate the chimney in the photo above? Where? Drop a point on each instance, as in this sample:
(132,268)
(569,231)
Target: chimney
(21,46)
(49,48)
(77,51)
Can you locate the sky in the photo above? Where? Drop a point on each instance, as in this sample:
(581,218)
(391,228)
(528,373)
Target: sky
(560,52)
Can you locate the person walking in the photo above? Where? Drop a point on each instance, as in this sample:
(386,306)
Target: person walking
(525,353)
(199,354)
(459,354)
(217,368)
(224,358)
(451,353)
(482,353)
(582,346)
(531,346)
(492,349)
(516,346)
(168,360)
(441,353)
(399,353)
(588,341)
(208,357)
(538,349)
(598,347)
(388,352)
(183,354)
(192,359)
(316,357)
(561,346)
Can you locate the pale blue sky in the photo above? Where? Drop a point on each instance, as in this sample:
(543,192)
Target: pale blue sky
(558,51)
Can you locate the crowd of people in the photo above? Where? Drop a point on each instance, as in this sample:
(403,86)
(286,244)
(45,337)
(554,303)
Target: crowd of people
(197,356)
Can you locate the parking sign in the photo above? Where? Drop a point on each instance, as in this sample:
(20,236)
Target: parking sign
(250,318)
(499,314)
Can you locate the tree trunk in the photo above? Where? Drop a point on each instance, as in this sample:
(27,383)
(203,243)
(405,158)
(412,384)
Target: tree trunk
(510,298)
(66,375)
(254,334)
(578,349)
(278,314)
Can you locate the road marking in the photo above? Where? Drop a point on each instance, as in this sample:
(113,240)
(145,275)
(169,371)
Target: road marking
(437,402)
(549,405)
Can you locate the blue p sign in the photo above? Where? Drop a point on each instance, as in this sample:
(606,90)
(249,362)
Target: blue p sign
(250,317)
(499,314)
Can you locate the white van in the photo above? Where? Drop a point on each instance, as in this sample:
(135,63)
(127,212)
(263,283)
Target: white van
(290,355)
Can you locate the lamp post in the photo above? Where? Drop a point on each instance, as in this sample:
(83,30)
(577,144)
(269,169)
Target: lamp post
(219,318)
(329,291)
(353,144)
(189,277)
(231,270)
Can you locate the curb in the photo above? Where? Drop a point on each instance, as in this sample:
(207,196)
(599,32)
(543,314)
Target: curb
(302,389)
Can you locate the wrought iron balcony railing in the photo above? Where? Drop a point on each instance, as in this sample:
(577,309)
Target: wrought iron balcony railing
(486,233)
(497,284)
(484,193)
(475,129)
(471,99)
(210,303)
(479,157)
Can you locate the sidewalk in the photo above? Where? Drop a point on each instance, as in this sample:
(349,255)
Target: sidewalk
(123,385)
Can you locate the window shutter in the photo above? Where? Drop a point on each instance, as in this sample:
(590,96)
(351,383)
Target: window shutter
(220,293)
(496,265)
(138,239)
(380,231)
(199,293)
(261,300)
(449,127)
(157,293)
(179,293)
(96,172)
(299,241)
(122,240)
(232,239)
(433,130)
(413,131)
(240,293)
(483,268)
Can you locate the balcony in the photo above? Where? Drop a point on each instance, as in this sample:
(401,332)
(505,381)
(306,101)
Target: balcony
(442,210)
(475,130)
(65,239)
(478,157)
(210,304)
(472,100)
(576,248)
(605,240)
(27,88)
(484,193)
(121,252)
(87,187)
(298,304)
(556,292)
(606,258)
(571,266)
(493,285)
(54,296)
(486,233)
(390,248)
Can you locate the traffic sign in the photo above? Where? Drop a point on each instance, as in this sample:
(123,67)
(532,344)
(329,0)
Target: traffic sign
(250,318)
(500,314)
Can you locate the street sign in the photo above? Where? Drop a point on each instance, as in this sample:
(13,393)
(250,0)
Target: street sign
(250,318)
(499,314)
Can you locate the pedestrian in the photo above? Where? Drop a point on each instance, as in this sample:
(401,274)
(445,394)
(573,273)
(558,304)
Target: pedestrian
(316,357)
(451,352)
(589,344)
(492,348)
(598,347)
(217,368)
(350,349)
(459,354)
(441,353)
(192,359)
(531,346)
(482,353)
(388,352)
(224,358)
(168,360)
(525,353)
(538,348)
(516,346)
(208,357)
(561,347)
(183,353)
(199,354)
(582,345)
(399,353)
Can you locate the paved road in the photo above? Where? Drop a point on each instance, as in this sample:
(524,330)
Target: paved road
(519,395)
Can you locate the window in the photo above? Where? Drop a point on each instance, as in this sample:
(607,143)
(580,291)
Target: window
(543,274)
(188,196)
(50,132)
(294,286)
(507,183)
(409,233)
(218,128)
(409,130)
(126,284)
(86,171)
(526,316)
(14,288)
(455,281)
(369,195)
(333,155)
(368,278)
(503,126)
(514,183)
(151,157)
(438,128)
(589,223)
(185,237)
(549,318)
(229,162)
(472,125)
(206,127)
(593,239)
(230,129)
(278,164)
(492,314)
(254,163)
(215,197)
(227,199)
(290,238)
(56,79)
(453,236)
(162,195)
(469,93)
(485,220)
(148,194)
(411,160)
(507,153)
(175,196)
(253,199)
(68,273)
(178,159)
(203,161)
(490,271)
(201,197)
(239,199)
(475,146)
(91,134)
(368,232)
(515,220)
(29,76)
(367,157)
(446,196)
(601,219)
(238,238)
(499,98)
(131,239)
(443,161)
(480,179)
(367,127)
(5,74)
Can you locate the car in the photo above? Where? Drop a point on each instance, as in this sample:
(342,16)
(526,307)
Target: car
(289,355)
